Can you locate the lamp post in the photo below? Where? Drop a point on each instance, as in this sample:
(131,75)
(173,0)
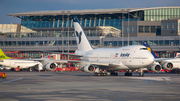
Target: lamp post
(128,23)
(122,28)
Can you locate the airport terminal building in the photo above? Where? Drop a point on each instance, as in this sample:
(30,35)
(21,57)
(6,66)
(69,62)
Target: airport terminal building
(49,30)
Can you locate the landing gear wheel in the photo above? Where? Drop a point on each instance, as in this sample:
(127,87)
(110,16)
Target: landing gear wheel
(30,69)
(95,74)
(100,74)
(178,71)
(128,74)
(114,74)
(105,74)
(12,69)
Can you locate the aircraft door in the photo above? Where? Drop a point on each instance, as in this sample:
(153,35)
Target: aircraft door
(130,58)
(97,57)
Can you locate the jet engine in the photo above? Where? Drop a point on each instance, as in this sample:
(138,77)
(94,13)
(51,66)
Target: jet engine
(50,66)
(156,67)
(168,65)
(88,68)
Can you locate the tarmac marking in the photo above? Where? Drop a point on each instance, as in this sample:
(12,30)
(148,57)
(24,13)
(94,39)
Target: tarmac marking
(12,80)
(165,80)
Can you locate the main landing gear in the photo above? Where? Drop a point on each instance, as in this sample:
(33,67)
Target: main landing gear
(128,73)
(102,73)
(178,71)
(30,69)
(99,72)
(113,73)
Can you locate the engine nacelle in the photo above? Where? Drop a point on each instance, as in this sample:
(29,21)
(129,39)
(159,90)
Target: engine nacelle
(50,66)
(88,68)
(156,67)
(168,65)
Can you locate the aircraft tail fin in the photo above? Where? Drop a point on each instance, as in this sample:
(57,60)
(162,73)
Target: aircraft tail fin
(150,49)
(81,38)
(3,56)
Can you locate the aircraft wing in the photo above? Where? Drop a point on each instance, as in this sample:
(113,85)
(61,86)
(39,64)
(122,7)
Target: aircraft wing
(59,61)
(78,55)
(50,60)
(162,59)
(98,63)
(159,59)
(80,61)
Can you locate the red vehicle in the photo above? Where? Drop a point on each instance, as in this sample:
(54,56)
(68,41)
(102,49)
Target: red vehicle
(69,66)
(62,69)
(163,70)
(74,69)
(66,69)
(167,71)
(150,71)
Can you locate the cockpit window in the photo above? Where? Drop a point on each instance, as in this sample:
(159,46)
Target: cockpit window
(143,49)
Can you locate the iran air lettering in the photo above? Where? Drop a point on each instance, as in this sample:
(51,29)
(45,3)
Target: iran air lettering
(124,54)
(79,36)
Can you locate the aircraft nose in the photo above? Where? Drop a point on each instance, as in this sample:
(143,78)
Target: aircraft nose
(151,58)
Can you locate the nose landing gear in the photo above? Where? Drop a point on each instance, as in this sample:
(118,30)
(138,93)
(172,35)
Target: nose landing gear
(141,74)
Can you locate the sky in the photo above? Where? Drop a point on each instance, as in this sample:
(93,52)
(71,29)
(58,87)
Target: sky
(20,6)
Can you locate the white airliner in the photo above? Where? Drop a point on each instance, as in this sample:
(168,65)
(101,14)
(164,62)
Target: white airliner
(166,63)
(111,59)
(20,64)
(17,64)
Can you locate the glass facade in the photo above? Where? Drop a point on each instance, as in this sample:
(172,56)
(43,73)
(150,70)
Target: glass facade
(169,26)
(161,14)
(131,29)
(89,33)
(52,40)
(113,20)
(101,42)
(151,42)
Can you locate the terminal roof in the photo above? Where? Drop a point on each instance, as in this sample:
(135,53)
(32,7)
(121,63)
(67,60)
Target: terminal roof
(83,12)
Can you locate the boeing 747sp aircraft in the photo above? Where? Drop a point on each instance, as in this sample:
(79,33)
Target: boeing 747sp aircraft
(111,59)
